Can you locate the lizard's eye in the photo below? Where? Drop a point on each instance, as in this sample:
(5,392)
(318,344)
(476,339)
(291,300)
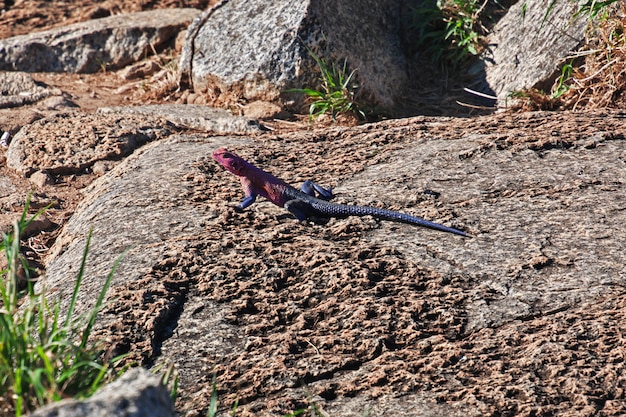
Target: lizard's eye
(235,164)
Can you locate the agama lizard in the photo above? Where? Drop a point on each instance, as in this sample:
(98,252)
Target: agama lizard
(311,200)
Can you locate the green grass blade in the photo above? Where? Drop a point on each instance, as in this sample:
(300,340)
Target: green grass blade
(214,403)
(94,312)
(79,279)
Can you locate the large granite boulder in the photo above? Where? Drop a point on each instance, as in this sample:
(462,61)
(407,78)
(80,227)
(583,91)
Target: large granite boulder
(371,315)
(528,44)
(256,49)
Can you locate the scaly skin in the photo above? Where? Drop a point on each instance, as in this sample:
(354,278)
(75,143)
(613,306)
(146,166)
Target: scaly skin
(304,204)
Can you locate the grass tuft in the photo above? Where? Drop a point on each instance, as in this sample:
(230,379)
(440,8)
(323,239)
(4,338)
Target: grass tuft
(336,93)
(450,31)
(45,357)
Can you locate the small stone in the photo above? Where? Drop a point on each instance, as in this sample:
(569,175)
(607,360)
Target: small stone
(139,70)
(102,167)
(56,103)
(40,179)
(4,140)
(264,110)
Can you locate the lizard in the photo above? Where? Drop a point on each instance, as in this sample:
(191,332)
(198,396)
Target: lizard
(312,200)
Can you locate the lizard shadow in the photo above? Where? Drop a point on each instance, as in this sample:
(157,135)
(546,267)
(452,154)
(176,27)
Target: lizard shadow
(321,221)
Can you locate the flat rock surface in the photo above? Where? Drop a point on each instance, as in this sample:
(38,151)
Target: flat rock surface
(79,140)
(19,88)
(192,116)
(374,315)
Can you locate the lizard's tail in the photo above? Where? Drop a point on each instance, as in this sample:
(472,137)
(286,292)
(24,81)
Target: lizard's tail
(396,216)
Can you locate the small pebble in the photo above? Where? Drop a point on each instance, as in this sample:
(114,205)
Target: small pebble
(41,179)
(5,139)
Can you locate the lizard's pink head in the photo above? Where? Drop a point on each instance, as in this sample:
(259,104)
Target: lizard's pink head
(231,161)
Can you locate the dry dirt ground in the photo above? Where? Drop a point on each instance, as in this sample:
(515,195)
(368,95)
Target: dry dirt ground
(502,373)
(87,91)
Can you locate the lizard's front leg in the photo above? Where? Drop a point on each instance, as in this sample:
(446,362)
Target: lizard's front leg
(249,191)
(313,189)
(245,203)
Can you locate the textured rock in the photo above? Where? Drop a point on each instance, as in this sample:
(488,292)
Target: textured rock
(137,393)
(72,142)
(87,47)
(527,47)
(253,50)
(12,121)
(150,188)
(192,116)
(373,315)
(18,88)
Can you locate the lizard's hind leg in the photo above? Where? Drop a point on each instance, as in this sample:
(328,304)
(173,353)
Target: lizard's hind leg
(303,211)
(313,189)
(298,208)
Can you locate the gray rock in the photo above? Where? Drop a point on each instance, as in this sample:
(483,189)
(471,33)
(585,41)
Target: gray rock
(72,142)
(137,393)
(12,120)
(18,88)
(58,102)
(253,50)
(192,116)
(381,316)
(87,47)
(527,47)
(145,189)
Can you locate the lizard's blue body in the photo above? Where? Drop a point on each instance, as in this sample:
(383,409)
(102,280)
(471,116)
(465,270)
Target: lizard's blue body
(304,203)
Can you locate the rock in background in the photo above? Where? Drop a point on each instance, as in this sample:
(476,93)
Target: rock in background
(18,89)
(529,43)
(137,393)
(87,47)
(87,139)
(254,50)
(242,51)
